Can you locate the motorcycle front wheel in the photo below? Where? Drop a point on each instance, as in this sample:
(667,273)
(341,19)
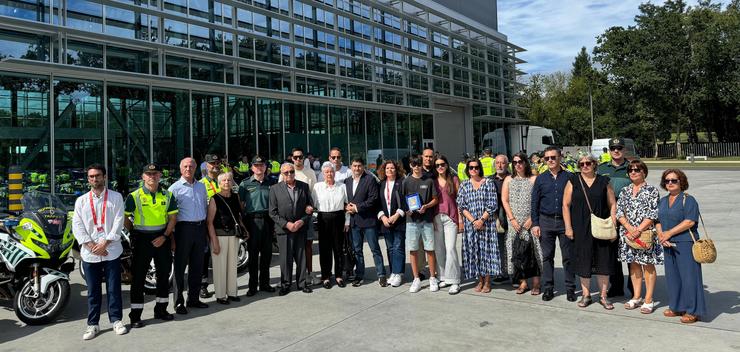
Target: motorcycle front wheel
(43,309)
(242,257)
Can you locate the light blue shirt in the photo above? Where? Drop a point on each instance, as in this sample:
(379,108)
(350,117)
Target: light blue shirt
(192,200)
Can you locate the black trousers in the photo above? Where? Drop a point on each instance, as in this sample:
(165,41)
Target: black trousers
(552,229)
(292,249)
(143,253)
(259,246)
(331,244)
(206,266)
(190,241)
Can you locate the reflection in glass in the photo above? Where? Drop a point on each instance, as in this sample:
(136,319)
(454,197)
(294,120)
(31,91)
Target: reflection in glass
(415,133)
(295,125)
(78,132)
(356,120)
(318,138)
(338,129)
(128,135)
(402,134)
(84,54)
(21,45)
(85,15)
(373,130)
(129,60)
(208,125)
(270,138)
(389,136)
(32,10)
(241,126)
(171,128)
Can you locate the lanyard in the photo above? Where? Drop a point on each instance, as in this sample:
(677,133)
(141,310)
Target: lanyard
(210,183)
(95,215)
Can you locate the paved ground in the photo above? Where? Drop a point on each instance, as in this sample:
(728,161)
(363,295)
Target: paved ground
(371,318)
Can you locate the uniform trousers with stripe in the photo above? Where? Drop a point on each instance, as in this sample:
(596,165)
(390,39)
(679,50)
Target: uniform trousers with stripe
(143,253)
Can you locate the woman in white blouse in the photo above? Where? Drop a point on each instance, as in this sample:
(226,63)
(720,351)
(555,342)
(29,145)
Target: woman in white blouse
(330,199)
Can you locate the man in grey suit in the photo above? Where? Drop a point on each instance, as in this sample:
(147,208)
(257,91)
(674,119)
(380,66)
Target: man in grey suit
(291,207)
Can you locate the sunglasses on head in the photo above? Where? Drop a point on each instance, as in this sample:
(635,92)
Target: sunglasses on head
(635,170)
(615,148)
(670,181)
(585,163)
(548,158)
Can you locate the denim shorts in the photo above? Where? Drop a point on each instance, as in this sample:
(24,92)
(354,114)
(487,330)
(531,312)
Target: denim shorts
(416,231)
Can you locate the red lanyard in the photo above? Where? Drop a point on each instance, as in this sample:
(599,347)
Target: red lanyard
(388,195)
(95,215)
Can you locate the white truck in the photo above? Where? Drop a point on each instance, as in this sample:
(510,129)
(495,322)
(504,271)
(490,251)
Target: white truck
(513,139)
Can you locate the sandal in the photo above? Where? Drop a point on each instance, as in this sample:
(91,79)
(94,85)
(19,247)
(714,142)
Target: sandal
(689,319)
(486,289)
(647,308)
(536,291)
(671,314)
(605,303)
(585,301)
(522,289)
(632,304)
(478,287)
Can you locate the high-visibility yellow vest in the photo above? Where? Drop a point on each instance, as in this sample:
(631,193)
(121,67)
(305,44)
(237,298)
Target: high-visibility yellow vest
(275,167)
(243,167)
(461,171)
(487,164)
(605,158)
(211,186)
(151,213)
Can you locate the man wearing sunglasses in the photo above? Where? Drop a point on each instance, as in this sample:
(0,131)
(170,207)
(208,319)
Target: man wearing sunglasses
(341,172)
(548,225)
(616,170)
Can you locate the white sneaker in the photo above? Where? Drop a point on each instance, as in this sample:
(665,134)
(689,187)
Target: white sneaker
(443,284)
(397,280)
(454,289)
(119,328)
(415,286)
(90,333)
(433,284)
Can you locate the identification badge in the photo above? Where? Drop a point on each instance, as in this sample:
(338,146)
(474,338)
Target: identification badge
(413,201)
(100,229)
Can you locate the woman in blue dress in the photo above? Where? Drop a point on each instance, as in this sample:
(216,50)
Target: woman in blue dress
(476,201)
(678,213)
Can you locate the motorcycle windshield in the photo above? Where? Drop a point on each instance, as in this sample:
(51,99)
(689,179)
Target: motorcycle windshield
(47,210)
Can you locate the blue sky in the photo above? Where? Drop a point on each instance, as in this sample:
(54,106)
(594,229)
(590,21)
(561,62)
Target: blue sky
(553,31)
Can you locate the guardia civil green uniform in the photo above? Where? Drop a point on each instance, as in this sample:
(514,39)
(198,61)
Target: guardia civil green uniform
(150,213)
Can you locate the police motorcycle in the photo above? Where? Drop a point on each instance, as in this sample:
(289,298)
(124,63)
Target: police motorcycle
(34,248)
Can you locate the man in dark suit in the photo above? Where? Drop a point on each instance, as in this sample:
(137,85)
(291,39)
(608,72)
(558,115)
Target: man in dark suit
(362,194)
(291,207)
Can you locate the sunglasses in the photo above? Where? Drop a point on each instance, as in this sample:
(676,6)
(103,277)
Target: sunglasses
(335,157)
(299,157)
(634,170)
(286,173)
(585,163)
(415,165)
(518,162)
(441,165)
(616,148)
(671,181)
(548,158)
(474,168)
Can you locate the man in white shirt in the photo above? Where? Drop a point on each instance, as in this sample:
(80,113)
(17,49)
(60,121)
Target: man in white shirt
(341,172)
(97,225)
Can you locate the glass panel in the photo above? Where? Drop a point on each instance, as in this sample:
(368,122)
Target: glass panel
(33,10)
(295,125)
(389,136)
(338,129)
(373,130)
(416,137)
(208,125)
(128,60)
(171,128)
(85,15)
(270,138)
(176,33)
(24,129)
(23,46)
(241,127)
(356,120)
(123,23)
(177,67)
(78,132)
(318,139)
(128,135)
(206,71)
(84,54)
(402,134)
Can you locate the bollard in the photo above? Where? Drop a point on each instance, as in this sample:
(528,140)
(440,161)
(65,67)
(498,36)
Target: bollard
(15,189)
(691,157)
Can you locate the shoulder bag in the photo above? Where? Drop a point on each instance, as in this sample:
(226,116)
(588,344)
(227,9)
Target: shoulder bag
(240,231)
(703,249)
(601,229)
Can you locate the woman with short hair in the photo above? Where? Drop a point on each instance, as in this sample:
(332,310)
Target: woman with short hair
(678,214)
(330,199)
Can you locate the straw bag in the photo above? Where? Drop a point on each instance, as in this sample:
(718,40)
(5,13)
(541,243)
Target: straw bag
(601,229)
(644,242)
(703,249)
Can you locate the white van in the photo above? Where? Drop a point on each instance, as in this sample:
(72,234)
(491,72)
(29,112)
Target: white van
(598,145)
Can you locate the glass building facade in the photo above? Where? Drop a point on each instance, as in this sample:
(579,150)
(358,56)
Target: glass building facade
(126,82)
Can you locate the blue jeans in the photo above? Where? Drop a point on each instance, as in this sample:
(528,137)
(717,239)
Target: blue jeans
(372,240)
(395,241)
(94,274)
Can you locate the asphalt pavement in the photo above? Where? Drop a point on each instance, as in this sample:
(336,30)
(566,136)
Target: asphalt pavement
(373,318)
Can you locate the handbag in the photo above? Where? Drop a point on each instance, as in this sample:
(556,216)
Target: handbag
(523,257)
(703,249)
(601,229)
(644,242)
(240,231)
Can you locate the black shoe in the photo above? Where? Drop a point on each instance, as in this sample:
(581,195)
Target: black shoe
(137,323)
(571,295)
(251,292)
(547,295)
(180,309)
(223,301)
(204,293)
(422,277)
(307,289)
(284,291)
(164,316)
(327,284)
(383,281)
(611,294)
(268,288)
(357,283)
(341,284)
(197,304)
(234,299)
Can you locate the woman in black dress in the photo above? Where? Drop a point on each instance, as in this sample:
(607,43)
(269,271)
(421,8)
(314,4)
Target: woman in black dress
(590,256)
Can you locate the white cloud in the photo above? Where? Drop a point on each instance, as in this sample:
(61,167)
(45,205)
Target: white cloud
(553,31)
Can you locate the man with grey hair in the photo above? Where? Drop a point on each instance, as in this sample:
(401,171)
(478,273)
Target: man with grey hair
(501,165)
(291,207)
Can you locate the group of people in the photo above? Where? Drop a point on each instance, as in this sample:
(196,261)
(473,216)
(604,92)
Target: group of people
(509,222)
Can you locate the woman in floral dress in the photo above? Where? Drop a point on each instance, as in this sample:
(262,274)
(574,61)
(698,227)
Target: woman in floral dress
(476,201)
